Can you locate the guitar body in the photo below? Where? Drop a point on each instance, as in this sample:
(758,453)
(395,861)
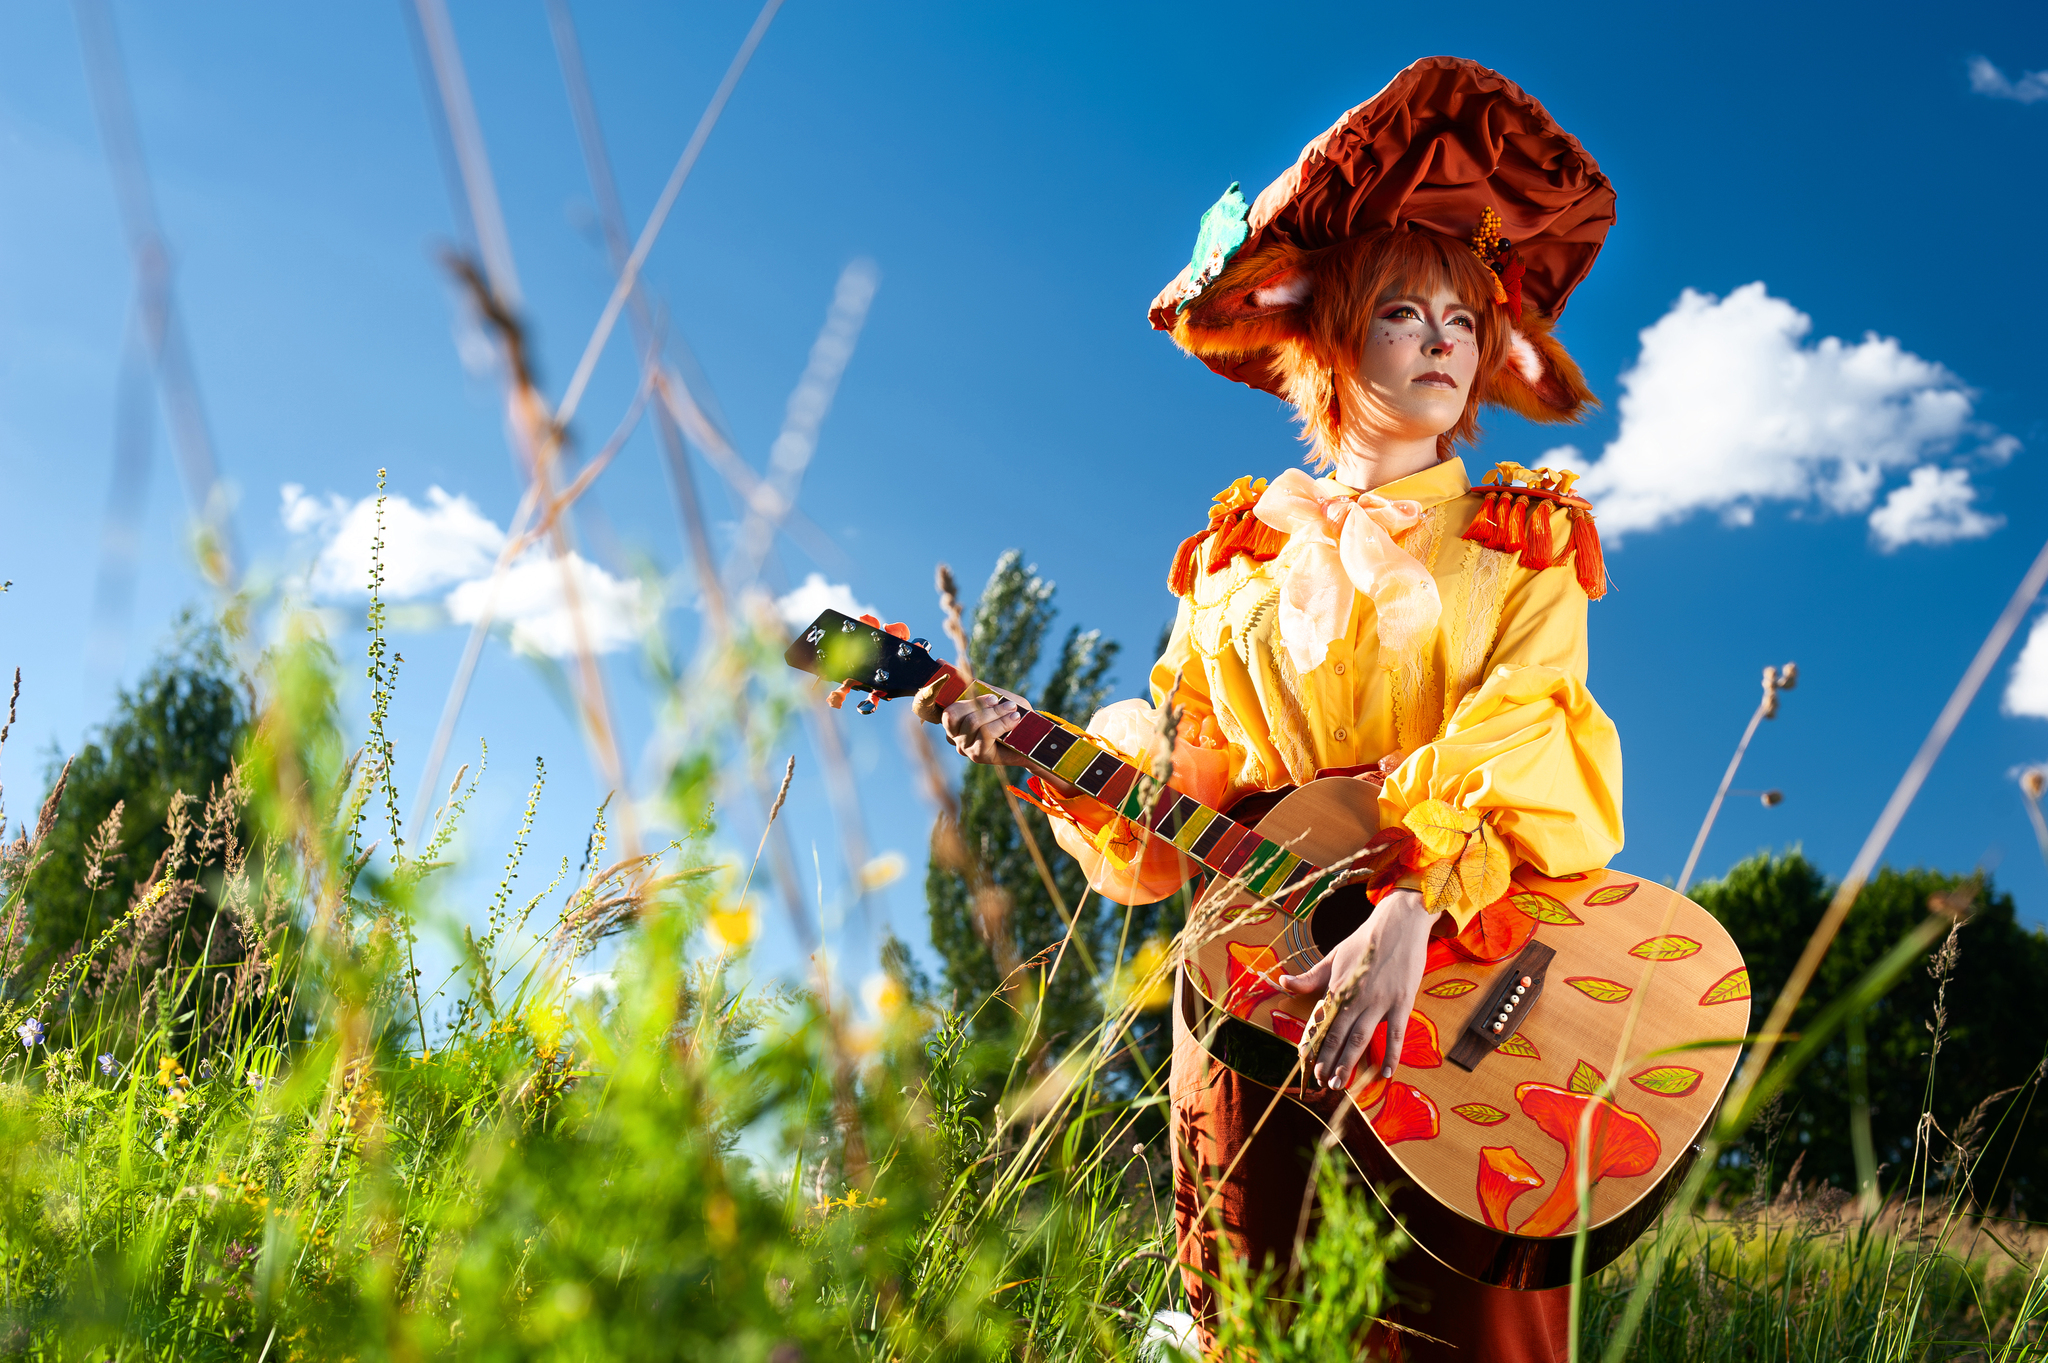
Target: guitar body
(1477,1163)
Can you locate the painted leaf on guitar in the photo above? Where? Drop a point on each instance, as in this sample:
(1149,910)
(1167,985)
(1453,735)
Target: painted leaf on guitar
(1254,977)
(1585,1079)
(1729,988)
(1442,955)
(1503,1176)
(1421,1049)
(1612,894)
(1451,989)
(1668,1081)
(1622,1145)
(1288,1027)
(1545,909)
(1599,990)
(1667,948)
(1495,933)
(1520,1047)
(1481,1114)
(1408,1115)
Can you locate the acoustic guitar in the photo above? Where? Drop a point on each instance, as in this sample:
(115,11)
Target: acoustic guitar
(1520,1019)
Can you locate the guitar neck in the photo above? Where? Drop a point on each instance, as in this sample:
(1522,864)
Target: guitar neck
(883,660)
(1233,850)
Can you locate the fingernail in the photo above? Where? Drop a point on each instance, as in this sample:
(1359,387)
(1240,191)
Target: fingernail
(1387,1072)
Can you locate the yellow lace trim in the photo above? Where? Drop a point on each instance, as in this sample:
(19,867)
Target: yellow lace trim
(1486,577)
(1414,688)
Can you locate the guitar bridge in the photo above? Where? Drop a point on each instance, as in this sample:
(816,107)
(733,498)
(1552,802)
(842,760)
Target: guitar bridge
(1500,1013)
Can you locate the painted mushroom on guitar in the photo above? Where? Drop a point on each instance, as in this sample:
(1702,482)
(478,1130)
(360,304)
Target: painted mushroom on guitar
(1620,1143)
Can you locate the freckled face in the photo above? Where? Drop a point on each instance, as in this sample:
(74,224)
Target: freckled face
(1419,363)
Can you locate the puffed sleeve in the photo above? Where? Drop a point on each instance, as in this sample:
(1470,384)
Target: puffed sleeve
(1122,862)
(1528,751)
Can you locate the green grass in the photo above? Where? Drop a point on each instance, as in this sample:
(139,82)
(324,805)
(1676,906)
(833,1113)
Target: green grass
(689,1168)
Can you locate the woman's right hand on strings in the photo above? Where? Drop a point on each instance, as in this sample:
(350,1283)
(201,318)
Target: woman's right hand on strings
(976,726)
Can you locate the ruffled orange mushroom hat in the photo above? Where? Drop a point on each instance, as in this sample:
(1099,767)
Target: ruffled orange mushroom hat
(1450,150)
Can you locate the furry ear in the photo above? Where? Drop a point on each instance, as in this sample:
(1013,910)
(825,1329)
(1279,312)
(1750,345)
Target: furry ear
(1537,378)
(1258,302)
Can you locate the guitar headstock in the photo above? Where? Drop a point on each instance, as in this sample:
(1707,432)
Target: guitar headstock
(864,655)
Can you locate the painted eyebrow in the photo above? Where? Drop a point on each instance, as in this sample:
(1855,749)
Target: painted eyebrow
(1409,300)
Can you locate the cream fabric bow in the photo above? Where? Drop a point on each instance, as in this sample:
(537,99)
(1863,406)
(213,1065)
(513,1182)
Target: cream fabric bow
(1339,543)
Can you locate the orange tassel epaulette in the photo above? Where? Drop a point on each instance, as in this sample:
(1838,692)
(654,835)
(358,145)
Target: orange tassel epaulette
(1236,531)
(1516,519)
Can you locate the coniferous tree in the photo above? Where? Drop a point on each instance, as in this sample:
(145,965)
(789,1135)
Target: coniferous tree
(992,916)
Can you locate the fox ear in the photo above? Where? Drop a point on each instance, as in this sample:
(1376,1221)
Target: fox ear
(1286,288)
(1538,378)
(1256,303)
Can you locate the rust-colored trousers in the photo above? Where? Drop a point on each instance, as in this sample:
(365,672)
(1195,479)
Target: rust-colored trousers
(1216,1114)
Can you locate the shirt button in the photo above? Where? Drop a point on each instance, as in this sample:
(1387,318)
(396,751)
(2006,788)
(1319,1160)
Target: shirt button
(1339,735)
(1339,669)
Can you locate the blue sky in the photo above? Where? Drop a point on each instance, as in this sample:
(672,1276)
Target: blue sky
(1024,179)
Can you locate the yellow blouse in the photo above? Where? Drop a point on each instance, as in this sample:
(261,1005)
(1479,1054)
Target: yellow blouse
(1488,713)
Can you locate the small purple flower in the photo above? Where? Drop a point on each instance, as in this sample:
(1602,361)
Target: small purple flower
(256,1081)
(31,1034)
(108,1065)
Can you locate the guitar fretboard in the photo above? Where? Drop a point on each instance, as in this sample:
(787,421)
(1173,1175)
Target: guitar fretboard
(1227,847)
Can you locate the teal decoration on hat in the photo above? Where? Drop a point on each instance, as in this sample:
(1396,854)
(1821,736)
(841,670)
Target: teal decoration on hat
(1223,231)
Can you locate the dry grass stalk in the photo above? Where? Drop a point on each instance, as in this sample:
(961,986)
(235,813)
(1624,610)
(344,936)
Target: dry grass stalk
(103,847)
(13,701)
(161,322)
(539,435)
(18,861)
(2033,782)
(1775,680)
(955,626)
(781,794)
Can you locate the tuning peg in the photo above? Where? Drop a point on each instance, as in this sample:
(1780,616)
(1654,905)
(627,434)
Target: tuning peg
(866,707)
(921,643)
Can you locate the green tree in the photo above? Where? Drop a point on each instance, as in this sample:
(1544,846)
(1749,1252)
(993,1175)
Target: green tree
(1973,996)
(985,931)
(164,760)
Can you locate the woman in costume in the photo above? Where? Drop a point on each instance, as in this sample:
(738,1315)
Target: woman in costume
(1382,620)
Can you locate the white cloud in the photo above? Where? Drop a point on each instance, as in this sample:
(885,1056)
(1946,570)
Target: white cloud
(1728,406)
(530,597)
(2027,691)
(425,548)
(1987,79)
(800,607)
(450,544)
(1932,508)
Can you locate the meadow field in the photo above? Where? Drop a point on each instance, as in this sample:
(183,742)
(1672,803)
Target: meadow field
(285,1143)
